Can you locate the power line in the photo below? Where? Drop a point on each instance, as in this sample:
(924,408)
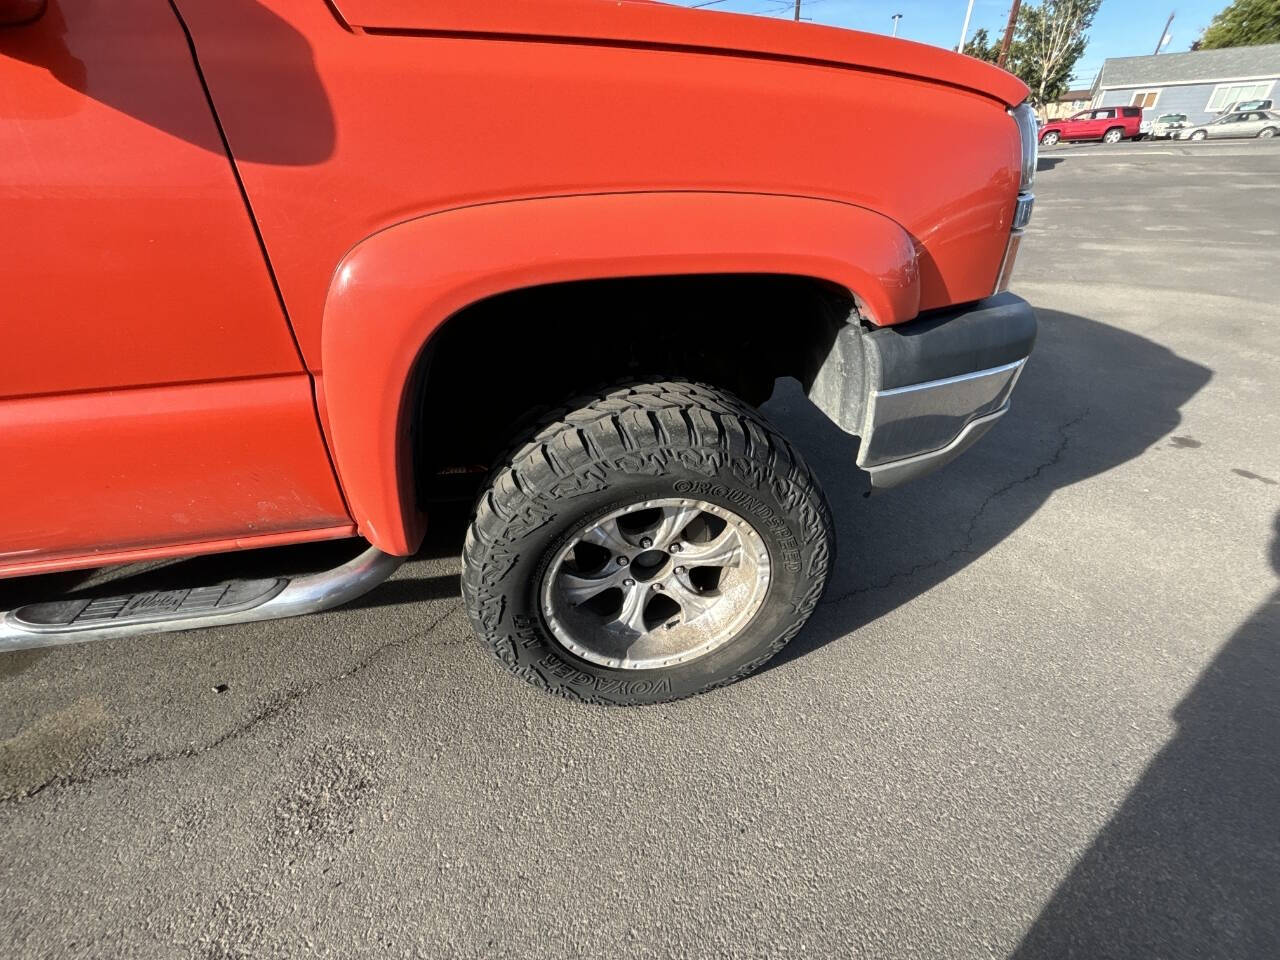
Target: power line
(777,7)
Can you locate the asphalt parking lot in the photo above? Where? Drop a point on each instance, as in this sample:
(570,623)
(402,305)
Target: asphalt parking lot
(1036,715)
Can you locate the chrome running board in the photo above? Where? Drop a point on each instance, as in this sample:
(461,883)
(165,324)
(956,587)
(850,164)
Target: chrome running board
(191,608)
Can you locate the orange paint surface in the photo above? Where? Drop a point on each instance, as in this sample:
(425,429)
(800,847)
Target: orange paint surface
(401,159)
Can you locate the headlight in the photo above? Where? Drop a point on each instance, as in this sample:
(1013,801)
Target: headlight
(1025,118)
(1029,133)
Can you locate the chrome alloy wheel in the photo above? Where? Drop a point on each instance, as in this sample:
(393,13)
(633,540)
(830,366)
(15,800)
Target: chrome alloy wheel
(655,584)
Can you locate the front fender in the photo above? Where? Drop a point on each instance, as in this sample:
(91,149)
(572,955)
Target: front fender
(393,290)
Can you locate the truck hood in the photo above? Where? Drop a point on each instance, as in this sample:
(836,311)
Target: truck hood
(650,24)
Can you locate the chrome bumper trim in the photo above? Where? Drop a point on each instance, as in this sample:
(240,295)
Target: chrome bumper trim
(914,429)
(896,472)
(33,625)
(1014,367)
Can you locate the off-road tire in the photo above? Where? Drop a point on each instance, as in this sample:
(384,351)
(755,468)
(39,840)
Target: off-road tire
(628,445)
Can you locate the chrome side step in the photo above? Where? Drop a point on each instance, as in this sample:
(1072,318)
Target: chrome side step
(190,608)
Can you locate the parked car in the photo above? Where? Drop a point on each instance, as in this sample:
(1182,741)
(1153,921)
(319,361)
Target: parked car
(1165,126)
(1240,105)
(293,274)
(1108,124)
(1251,123)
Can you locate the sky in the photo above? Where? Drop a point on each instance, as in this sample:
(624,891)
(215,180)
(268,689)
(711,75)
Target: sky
(1122,28)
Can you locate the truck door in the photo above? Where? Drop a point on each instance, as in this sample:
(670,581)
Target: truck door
(151,394)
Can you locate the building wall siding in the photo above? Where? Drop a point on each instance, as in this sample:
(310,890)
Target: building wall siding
(1188,98)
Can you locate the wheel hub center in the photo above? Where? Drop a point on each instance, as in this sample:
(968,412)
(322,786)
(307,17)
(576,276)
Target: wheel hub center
(648,565)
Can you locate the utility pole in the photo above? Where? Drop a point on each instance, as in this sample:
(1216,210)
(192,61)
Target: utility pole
(964,30)
(797,9)
(1008,33)
(896,17)
(1164,33)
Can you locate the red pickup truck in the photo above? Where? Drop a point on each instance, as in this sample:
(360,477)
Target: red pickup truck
(286,270)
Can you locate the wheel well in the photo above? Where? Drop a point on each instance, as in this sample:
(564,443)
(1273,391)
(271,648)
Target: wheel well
(494,367)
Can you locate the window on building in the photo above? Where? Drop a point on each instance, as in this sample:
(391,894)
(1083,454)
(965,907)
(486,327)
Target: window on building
(1225,94)
(1145,98)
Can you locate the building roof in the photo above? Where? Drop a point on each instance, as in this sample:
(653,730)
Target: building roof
(1081,94)
(1228,63)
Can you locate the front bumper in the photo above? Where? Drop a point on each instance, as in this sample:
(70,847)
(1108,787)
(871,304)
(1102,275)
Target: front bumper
(940,383)
(922,393)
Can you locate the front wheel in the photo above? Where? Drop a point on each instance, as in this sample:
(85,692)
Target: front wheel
(1266,133)
(649,543)
(1114,135)
(1199,135)
(1049,139)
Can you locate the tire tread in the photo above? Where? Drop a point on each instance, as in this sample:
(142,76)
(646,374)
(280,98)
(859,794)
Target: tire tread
(621,421)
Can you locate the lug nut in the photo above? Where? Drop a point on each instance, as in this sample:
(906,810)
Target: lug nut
(646,542)
(679,569)
(674,548)
(623,561)
(628,582)
(657,586)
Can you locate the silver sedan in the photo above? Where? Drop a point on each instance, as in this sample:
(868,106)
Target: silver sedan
(1244,123)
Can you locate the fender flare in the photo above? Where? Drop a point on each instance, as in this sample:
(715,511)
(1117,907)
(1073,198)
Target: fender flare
(394,289)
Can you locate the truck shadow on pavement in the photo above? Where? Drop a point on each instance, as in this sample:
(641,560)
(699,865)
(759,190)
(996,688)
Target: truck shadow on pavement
(1093,397)
(1188,865)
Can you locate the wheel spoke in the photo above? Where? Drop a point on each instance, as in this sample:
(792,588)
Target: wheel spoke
(606,534)
(672,524)
(692,603)
(579,589)
(630,619)
(724,551)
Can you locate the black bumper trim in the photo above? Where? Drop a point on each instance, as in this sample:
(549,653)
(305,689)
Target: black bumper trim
(954,342)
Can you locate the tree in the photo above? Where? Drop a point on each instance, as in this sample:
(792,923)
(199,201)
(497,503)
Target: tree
(1245,23)
(1049,40)
(981,45)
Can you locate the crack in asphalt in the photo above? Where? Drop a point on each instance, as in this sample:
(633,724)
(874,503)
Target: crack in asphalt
(273,709)
(971,529)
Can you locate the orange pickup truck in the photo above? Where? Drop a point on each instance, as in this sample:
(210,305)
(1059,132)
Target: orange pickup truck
(279,271)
